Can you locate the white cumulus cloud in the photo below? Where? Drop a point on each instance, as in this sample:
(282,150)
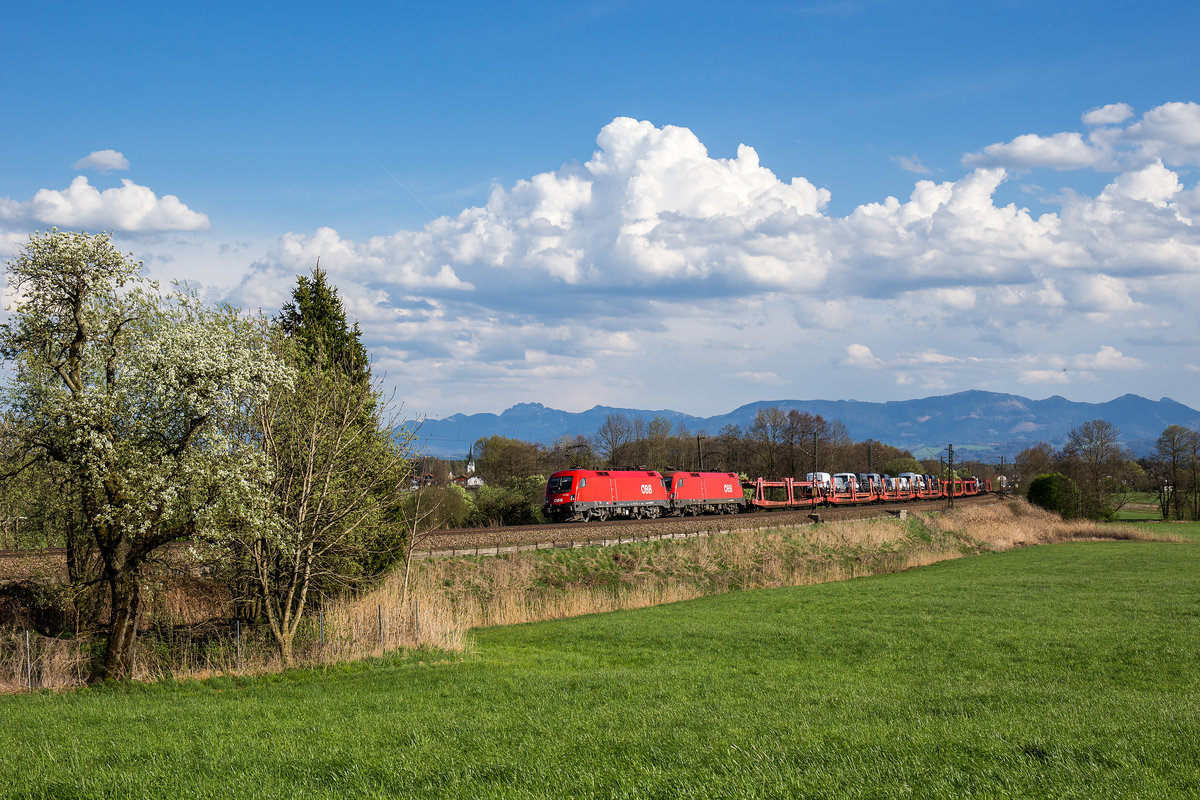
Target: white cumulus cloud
(1170,132)
(1066,150)
(1106,358)
(859,355)
(103,160)
(1110,114)
(129,208)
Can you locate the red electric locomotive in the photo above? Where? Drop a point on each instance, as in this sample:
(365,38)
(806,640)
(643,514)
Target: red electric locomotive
(694,493)
(585,494)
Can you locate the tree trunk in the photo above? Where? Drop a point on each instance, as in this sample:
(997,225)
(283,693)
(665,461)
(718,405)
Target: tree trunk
(286,655)
(125,592)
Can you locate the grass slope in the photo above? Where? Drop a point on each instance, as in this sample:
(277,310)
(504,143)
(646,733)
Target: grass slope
(1059,671)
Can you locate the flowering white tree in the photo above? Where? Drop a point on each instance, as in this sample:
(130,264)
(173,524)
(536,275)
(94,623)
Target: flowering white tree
(142,397)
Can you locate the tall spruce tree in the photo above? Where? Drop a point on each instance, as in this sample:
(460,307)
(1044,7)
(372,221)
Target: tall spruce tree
(316,321)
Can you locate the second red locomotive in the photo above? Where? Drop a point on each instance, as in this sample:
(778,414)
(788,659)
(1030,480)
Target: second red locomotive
(585,494)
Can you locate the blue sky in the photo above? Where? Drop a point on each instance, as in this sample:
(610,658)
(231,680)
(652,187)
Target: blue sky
(552,202)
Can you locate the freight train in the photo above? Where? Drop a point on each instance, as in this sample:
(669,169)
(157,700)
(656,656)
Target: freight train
(586,494)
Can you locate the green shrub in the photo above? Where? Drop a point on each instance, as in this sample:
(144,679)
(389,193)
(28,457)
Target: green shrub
(1055,492)
(439,506)
(517,502)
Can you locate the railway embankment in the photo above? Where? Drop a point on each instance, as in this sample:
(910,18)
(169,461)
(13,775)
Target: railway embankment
(632,566)
(539,583)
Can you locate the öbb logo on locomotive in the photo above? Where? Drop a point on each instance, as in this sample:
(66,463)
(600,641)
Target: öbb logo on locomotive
(585,494)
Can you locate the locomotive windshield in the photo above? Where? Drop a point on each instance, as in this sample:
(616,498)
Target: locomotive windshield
(559,484)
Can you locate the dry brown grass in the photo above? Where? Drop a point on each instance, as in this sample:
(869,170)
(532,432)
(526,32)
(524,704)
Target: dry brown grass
(449,596)
(1016,523)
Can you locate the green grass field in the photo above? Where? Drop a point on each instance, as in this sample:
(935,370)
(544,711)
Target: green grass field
(1137,514)
(1067,671)
(1138,507)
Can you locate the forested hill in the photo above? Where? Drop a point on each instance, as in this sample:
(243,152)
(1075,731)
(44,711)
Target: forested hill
(986,424)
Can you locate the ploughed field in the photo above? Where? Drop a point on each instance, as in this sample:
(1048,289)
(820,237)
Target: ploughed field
(467,538)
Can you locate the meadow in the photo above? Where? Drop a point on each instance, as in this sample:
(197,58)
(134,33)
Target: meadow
(1139,507)
(1067,670)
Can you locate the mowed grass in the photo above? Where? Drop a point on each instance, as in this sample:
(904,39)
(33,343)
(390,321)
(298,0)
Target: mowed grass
(1056,671)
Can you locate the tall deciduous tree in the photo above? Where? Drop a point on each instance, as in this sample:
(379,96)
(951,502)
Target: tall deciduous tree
(337,465)
(1171,452)
(615,439)
(1192,454)
(499,458)
(137,397)
(1035,460)
(1093,453)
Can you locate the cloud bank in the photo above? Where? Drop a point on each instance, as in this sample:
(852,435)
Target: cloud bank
(1169,133)
(655,241)
(622,278)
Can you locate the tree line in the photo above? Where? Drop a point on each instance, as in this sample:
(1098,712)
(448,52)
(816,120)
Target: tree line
(778,443)
(136,416)
(1091,475)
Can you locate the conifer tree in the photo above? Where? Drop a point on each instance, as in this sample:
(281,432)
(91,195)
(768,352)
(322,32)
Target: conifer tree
(316,321)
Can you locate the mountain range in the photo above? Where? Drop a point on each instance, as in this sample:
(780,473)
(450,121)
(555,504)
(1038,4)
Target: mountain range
(982,425)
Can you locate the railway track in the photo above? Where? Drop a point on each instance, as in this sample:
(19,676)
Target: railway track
(516,535)
(17,563)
